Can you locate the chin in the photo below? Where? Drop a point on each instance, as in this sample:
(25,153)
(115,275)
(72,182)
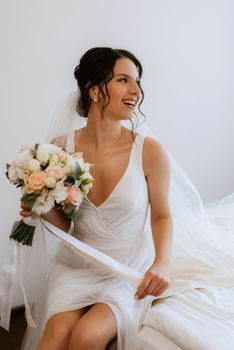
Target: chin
(127,116)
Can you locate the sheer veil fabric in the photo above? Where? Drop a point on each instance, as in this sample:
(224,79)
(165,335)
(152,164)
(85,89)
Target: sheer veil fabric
(203,235)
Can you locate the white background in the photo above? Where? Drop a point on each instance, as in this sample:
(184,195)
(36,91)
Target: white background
(186,48)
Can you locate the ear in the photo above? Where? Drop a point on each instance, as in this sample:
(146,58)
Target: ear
(93,93)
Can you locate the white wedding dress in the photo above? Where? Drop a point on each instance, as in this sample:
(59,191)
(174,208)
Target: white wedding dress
(116,227)
(202,255)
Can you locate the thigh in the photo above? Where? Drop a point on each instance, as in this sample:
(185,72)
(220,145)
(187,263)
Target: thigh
(98,322)
(60,325)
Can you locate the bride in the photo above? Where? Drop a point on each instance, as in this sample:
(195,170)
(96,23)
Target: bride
(142,211)
(109,82)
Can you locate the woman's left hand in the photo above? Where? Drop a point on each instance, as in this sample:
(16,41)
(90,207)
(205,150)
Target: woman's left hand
(157,279)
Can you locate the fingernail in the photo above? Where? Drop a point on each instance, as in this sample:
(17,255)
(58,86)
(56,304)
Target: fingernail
(137,297)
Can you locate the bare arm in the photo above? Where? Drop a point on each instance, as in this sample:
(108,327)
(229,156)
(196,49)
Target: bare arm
(157,171)
(57,218)
(157,167)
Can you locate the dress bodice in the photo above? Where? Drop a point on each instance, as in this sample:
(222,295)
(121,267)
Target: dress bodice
(121,217)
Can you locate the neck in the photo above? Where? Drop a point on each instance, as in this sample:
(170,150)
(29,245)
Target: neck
(102,133)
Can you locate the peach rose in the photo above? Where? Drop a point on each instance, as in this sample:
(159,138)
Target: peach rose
(74,195)
(35,181)
(55,171)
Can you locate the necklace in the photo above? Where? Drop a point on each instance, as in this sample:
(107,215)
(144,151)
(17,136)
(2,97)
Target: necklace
(106,152)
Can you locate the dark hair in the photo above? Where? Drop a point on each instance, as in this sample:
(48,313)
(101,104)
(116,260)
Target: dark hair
(96,68)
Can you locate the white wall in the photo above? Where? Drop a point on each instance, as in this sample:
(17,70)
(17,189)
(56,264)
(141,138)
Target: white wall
(186,48)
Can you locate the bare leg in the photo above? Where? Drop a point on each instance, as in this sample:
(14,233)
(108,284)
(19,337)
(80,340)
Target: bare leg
(94,330)
(58,329)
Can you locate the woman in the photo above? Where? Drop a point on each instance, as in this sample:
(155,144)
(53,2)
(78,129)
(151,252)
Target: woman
(87,307)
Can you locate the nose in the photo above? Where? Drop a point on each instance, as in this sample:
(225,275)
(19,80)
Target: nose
(135,89)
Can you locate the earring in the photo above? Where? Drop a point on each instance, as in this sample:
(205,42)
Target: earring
(95,99)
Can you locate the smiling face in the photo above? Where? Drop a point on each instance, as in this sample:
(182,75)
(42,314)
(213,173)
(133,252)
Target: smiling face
(124,90)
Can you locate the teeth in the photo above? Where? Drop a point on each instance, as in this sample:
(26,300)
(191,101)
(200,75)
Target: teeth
(129,102)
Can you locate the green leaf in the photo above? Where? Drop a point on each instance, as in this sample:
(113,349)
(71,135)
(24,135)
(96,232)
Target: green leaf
(77,183)
(77,216)
(77,172)
(6,173)
(34,150)
(44,166)
(33,153)
(19,183)
(29,199)
(87,181)
(68,209)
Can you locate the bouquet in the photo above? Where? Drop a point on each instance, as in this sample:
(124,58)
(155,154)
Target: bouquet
(49,178)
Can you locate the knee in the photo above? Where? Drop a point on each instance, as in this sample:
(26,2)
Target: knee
(86,339)
(56,335)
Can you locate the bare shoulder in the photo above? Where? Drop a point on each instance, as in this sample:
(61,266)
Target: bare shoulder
(60,141)
(154,156)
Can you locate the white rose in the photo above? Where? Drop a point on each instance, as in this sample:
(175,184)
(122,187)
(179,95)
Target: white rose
(23,157)
(33,165)
(59,193)
(20,173)
(43,204)
(12,173)
(72,163)
(62,155)
(42,156)
(49,148)
(66,170)
(50,182)
(54,159)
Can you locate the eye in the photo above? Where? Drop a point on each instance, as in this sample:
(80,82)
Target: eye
(123,79)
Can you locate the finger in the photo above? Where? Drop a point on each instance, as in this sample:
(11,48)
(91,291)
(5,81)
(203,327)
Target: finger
(155,285)
(151,287)
(158,287)
(153,282)
(161,289)
(25,206)
(25,213)
(144,284)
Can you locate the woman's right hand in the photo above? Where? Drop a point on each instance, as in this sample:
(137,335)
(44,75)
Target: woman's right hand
(26,211)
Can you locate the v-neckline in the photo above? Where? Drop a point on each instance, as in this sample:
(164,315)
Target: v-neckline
(118,183)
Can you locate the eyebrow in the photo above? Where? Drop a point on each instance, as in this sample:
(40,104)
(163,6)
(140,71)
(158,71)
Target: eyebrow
(126,75)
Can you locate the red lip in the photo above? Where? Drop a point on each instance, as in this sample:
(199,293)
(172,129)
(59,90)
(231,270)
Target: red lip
(130,99)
